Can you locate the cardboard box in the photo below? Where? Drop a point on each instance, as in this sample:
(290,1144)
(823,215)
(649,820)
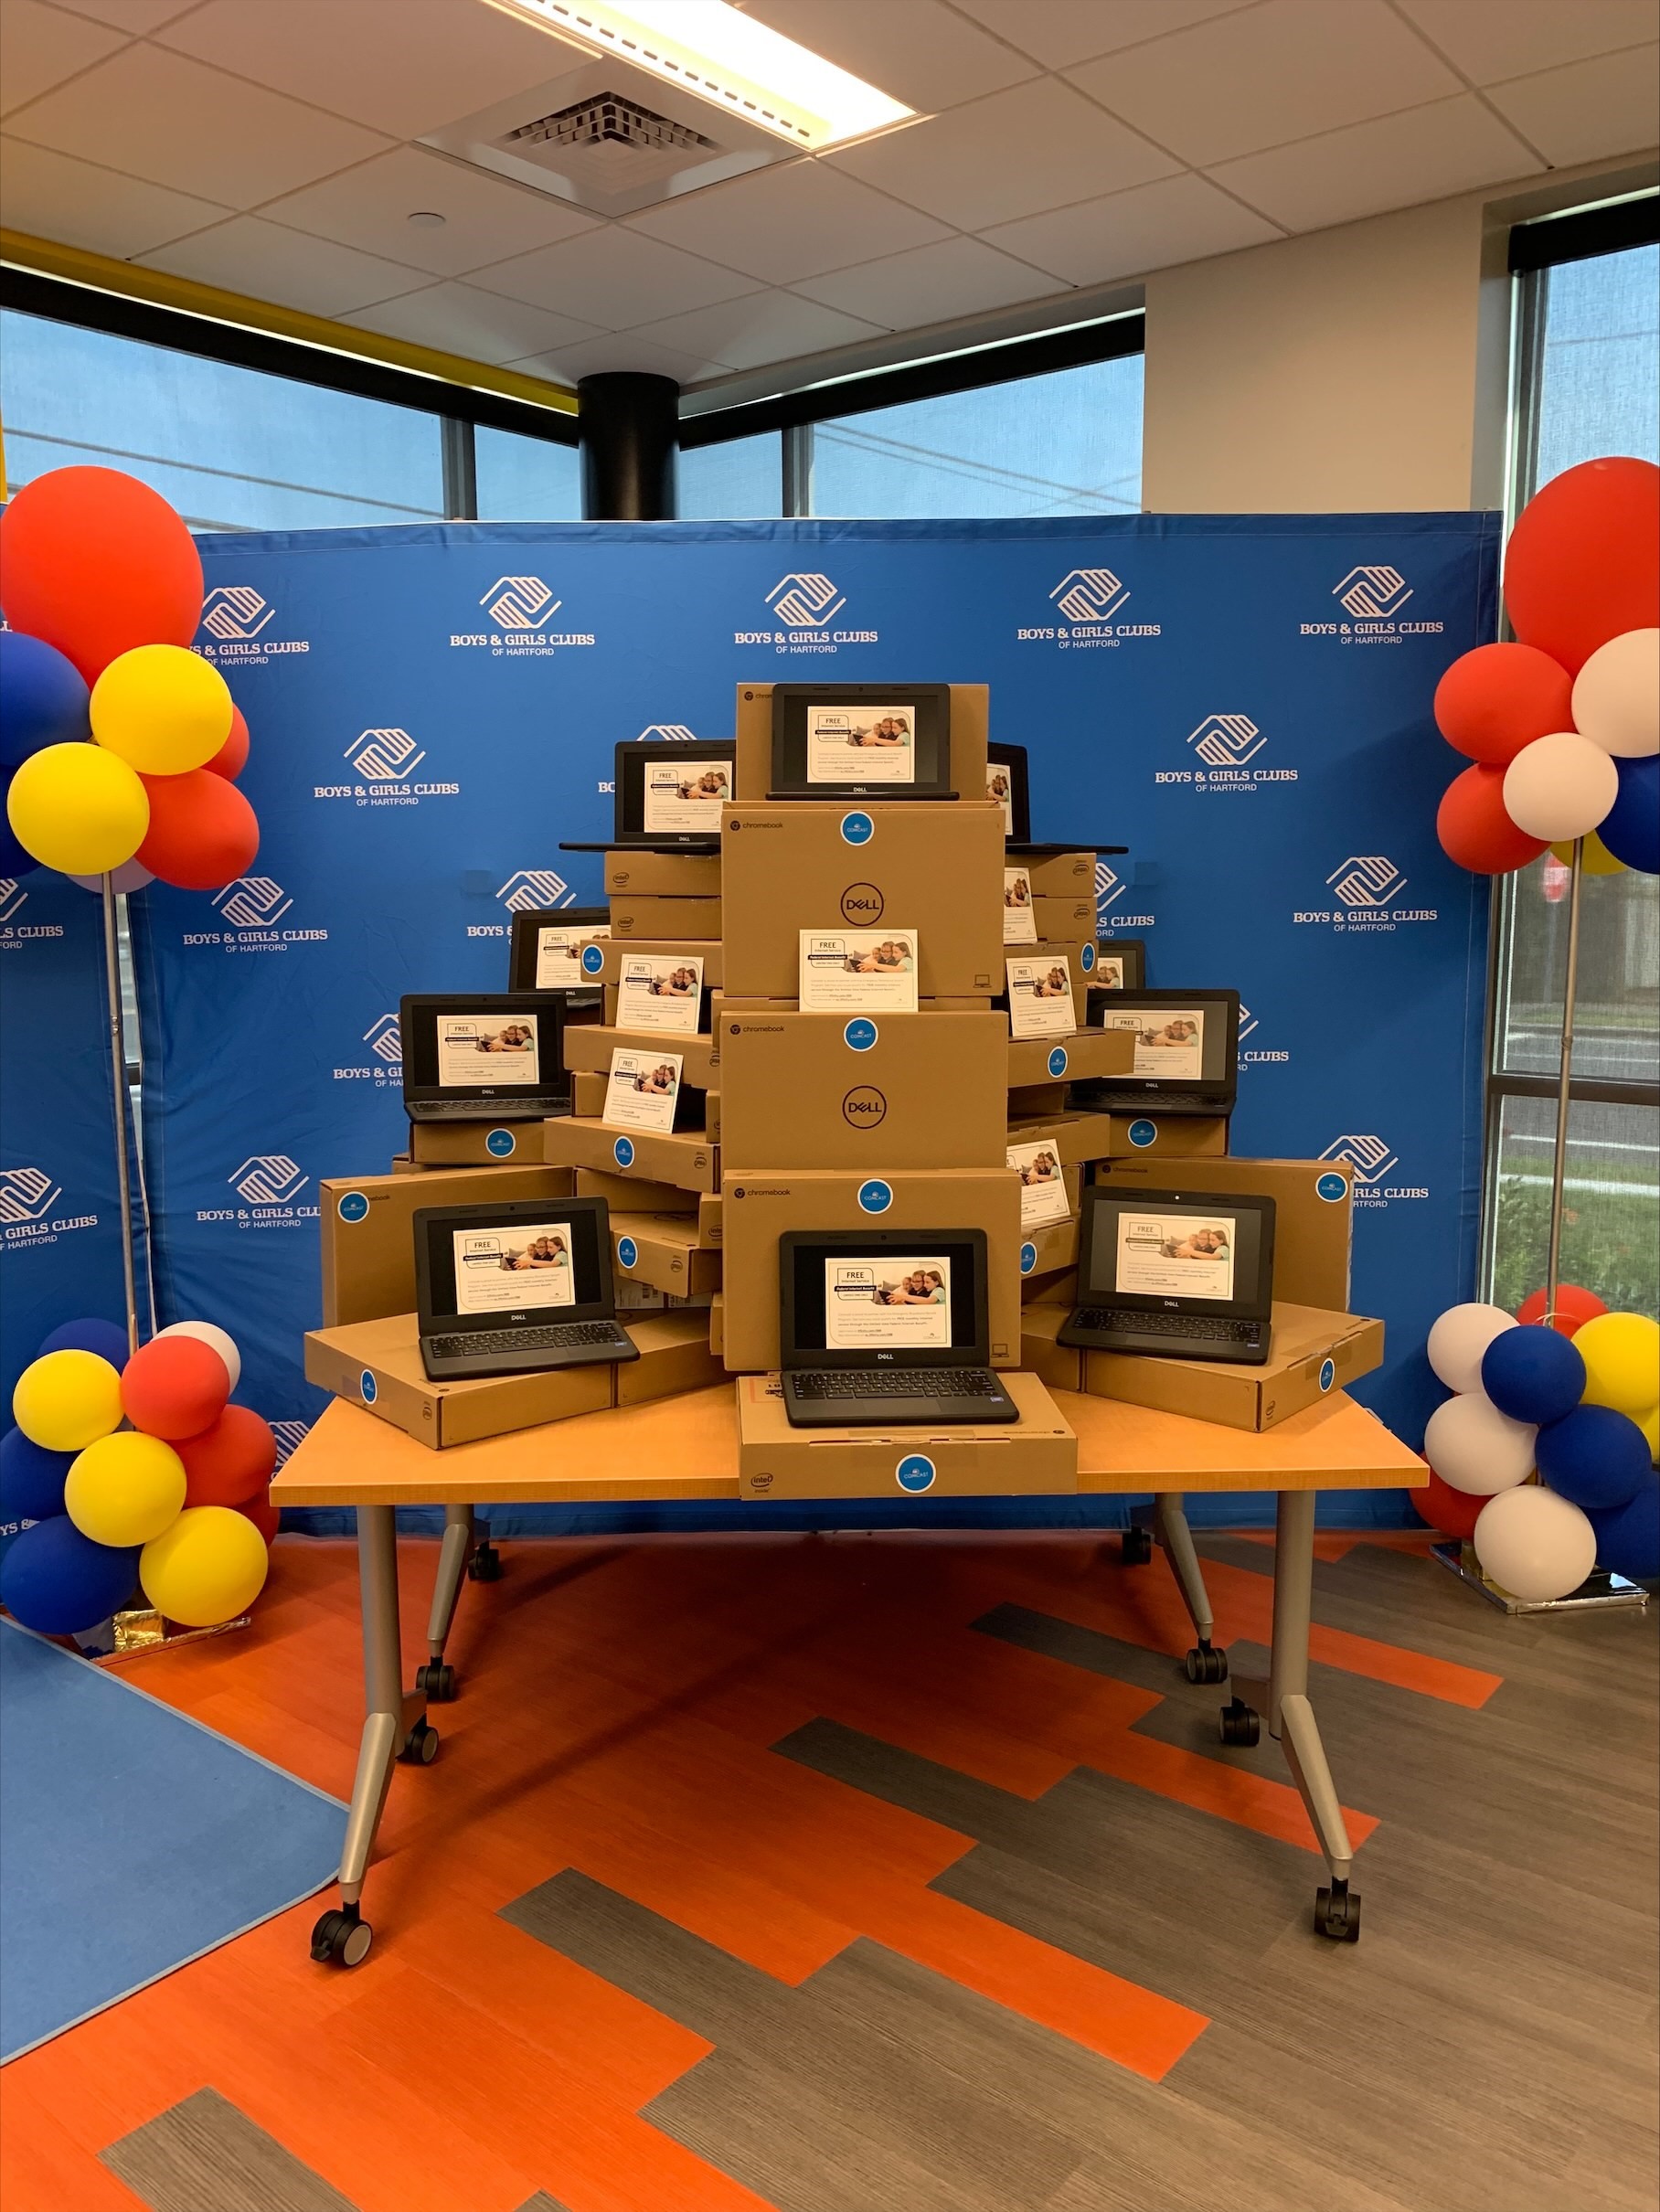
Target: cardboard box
(1313,1208)
(612,954)
(1164,1137)
(708,1219)
(608,1007)
(376,1364)
(718,1327)
(686,921)
(1311,1353)
(1050,1248)
(1060,876)
(1049,1290)
(1057,1365)
(664,1250)
(1059,1060)
(1037,1455)
(970,717)
(589,1050)
(757,1208)
(675,1355)
(1065,920)
(476,1144)
(662,875)
(369,1233)
(711,1116)
(926,1090)
(1073,1138)
(634,1195)
(930,866)
(682,1157)
(588,1094)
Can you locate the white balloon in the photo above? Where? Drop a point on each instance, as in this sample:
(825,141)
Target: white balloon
(129,876)
(1534,1544)
(1616,695)
(1475,1448)
(1560,786)
(1459,1340)
(216,1339)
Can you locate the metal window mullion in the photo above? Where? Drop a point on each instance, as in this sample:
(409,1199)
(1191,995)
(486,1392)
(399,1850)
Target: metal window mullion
(460,455)
(797,460)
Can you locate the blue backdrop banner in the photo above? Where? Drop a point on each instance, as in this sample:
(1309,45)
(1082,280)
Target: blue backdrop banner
(1244,702)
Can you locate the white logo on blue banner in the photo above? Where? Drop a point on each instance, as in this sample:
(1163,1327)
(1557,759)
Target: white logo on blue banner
(1226,740)
(1366,887)
(235,610)
(385,1040)
(13,898)
(1090,595)
(530,887)
(1373,591)
(1371,1160)
(269,1178)
(520,603)
(805,601)
(26,1193)
(290,1436)
(668,733)
(253,902)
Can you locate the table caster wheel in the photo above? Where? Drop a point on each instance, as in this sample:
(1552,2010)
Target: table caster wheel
(1206,1663)
(436,1680)
(420,1745)
(1337,1913)
(485,1565)
(1137,1547)
(1241,1723)
(341,1937)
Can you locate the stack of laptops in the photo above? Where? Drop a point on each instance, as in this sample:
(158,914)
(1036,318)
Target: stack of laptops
(1181,1275)
(1186,1052)
(484,1055)
(669,795)
(516,1289)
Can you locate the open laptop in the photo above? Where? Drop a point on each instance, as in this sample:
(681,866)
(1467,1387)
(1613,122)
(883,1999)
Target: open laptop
(516,1289)
(1121,964)
(669,795)
(546,944)
(484,1055)
(1184,1275)
(1008,780)
(861,741)
(886,1327)
(1186,1052)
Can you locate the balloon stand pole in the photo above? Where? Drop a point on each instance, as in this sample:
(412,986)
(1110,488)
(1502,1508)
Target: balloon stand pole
(118,1079)
(1559,1165)
(134,1633)
(1600,1592)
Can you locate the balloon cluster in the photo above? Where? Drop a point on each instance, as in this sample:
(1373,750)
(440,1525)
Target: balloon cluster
(1579,1402)
(119,746)
(1564,727)
(176,1503)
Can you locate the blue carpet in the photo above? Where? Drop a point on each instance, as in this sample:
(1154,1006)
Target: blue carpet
(131,1839)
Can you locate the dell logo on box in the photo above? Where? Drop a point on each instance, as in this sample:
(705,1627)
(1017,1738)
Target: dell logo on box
(915,1472)
(863,1106)
(875,1196)
(353,1206)
(623,1152)
(858,829)
(862,902)
(501,1144)
(858,1035)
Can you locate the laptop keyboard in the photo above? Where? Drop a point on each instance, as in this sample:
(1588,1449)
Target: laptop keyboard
(561,1337)
(899,1382)
(486,1109)
(1213,1328)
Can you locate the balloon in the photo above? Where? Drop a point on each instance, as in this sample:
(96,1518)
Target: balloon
(266,1517)
(173,1387)
(164,709)
(1453,1511)
(229,1462)
(1594,1456)
(14,860)
(1459,1339)
(1621,1356)
(1476,831)
(1534,1545)
(95,563)
(208,1567)
(66,1401)
(1475,1447)
(77,808)
(130,877)
(209,1332)
(57,1582)
(1532,1374)
(43,699)
(202,832)
(1630,828)
(1583,561)
(107,1338)
(231,757)
(1628,1538)
(1616,694)
(1574,1307)
(31,1479)
(1560,786)
(1650,1426)
(1594,856)
(1497,699)
(125,1488)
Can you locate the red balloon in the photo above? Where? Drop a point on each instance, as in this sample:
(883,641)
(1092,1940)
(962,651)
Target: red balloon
(95,563)
(1471,822)
(228,1462)
(265,1516)
(1583,562)
(1453,1511)
(174,1387)
(1574,1308)
(231,757)
(202,832)
(1496,699)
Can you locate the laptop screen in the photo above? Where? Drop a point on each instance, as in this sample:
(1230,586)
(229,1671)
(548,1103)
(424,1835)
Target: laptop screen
(546,945)
(1156,1250)
(916,1299)
(670,791)
(1005,781)
(494,1046)
(891,741)
(1186,1039)
(494,1266)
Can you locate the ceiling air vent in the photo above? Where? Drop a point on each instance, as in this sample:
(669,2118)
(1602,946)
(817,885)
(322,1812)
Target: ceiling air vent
(608,120)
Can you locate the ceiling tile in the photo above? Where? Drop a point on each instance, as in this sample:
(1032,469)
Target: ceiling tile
(784,223)
(1015,153)
(921,53)
(1588,110)
(485,217)
(50,196)
(929,284)
(618,350)
(268,262)
(400,66)
(767,326)
(614,278)
(1180,219)
(1491,43)
(1266,76)
(479,326)
(1057,32)
(171,121)
(1399,161)
(39,46)
(135,16)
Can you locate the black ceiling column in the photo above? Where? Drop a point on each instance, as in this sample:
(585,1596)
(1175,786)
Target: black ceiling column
(629,428)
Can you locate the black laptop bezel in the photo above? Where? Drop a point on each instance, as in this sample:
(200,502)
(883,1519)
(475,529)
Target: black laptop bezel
(822,1359)
(1019,822)
(548,1007)
(930,703)
(1132,951)
(432,1221)
(1222,1087)
(1259,1307)
(628,785)
(522,958)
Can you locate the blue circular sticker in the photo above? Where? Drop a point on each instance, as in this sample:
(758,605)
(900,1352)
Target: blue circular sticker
(368,1389)
(623,1152)
(593,960)
(1328,1373)
(1143,1134)
(1028,1258)
(1058,1060)
(628,1251)
(352,1205)
(1086,960)
(1331,1189)
(858,828)
(859,1034)
(875,1196)
(915,1472)
(501,1144)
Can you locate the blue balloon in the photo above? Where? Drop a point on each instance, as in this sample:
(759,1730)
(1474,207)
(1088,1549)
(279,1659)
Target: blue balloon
(57,1581)
(107,1338)
(1630,828)
(43,699)
(15,859)
(1628,1537)
(1596,1458)
(1533,1373)
(31,1478)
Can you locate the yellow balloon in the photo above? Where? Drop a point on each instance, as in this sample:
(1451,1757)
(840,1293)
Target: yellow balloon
(1598,860)
(125,1489)
(163,708)
(66,1401)
(209,1566)
(1621,1356)
(77,808)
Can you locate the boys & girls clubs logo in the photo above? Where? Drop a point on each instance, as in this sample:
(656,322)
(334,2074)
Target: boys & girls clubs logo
(383,1067)
(1363,889)
(384,762)
(243,630)
(29,1216)
(803,605)
(14,932)
(526,891)
(268,1186)
(1087,606)
(521,611)
(1372,1160)
(254,911)
(1372,599)
(1110,888)
(1224,749)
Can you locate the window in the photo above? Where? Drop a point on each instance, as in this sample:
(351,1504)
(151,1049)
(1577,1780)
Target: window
(526,479)
(742,479)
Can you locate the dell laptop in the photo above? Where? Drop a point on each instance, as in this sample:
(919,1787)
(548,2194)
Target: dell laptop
(1186,1052)
(887,1327)
(547,950)
(516,1289)
(669,795)
(484,1055)
(1121,964)
(861,741)
(1181,1275)
(1008,780)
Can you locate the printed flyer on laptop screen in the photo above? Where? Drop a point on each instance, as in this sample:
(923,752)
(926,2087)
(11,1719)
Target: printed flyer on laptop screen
(1039,998)
(642,1088)
(1019,919)
(858,971)
(473,1049)
(887,1304)
(1043,1191)
(498,1269)
(682,799)
(1165,1044)
(556,946)
(861,744)
(660,991)
(999,785)
(1176,1255)
(1109,972)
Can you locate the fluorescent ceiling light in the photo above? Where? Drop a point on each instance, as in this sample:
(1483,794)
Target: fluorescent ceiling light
(711,49)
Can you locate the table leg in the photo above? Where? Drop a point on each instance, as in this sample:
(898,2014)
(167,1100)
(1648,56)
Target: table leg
(1291,1717)
(437,1677)
(1205,1662)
